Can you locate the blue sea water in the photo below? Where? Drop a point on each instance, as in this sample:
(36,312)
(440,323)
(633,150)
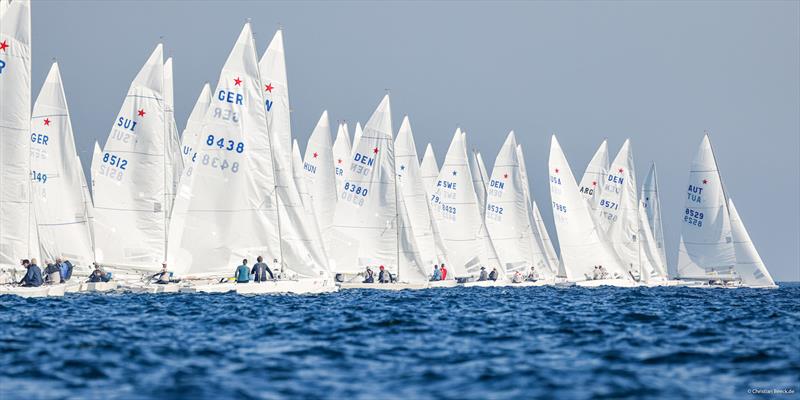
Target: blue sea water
(461,343)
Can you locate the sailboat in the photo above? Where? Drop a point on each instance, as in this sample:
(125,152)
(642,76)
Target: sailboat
(714,247)
(341,153)
(319,171)
(212,230)
(508,214)
(652,206)
(429,169)
(582,247)
(371,223)
(459,215)
(18,238)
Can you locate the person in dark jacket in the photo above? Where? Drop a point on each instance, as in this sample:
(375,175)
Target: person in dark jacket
(383,275)
(493,274)
(369,276)
(69,268)
(52,274)
(33,274)
(260,270)
(98,275)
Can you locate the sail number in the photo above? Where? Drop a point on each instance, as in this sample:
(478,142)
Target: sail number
(693,217)
(494,212)
(609,204)
(559,207)
(229,145)
(38,176)
(352,188)
(115,161)
(220,163)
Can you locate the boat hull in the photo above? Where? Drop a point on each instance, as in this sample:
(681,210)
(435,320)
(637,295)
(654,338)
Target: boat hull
(99,286)
(607,282)
(442,284)
(383,286)
(300,286)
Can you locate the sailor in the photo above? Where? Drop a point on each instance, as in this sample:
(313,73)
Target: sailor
(242,274)
(369,276)
(493,274)
(437,275)
(517,277)
(162,278)
(444,272)
(595,273)
(532,277)
(66,269)
(484,276)
(260,270)
(33,275)
(383,275)
(98,275)
(602,271)
(52,274)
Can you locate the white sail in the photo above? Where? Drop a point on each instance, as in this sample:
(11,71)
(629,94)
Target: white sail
(341,153)
(508,213)
(58,193)
(413,192)
(578,237)
(357,135)
(480,178)
(556,266)
(429,169)
(591,183)
(225,209)
(319,169)
(618,209)
(548,266)
(458,214)
(366,220)
(706,245)
(651,267)
(299,176)
(749,266)
(191,132)
(17,226)
(301,242)
(652,205)
(88,204)
(173,160)
(130,180)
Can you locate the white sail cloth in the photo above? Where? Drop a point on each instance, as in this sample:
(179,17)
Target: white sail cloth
(429,169)
(191,132)
(749,266)
(319,170)
(58,181)
(341,153)
(652,207)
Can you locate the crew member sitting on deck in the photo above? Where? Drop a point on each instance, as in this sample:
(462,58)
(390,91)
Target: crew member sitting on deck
(369,276)
(532,276)
(517,277)
(33,275)
(484,276)
(69,269)
(242,274)
(444,272)
(493,274)
(260,270)
(98,275)
(437,275)
(383,275)
(52,274)
(603,272)
(162,278)
(65,272)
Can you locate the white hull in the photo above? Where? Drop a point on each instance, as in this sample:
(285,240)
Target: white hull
(300,286)
(384,286)
(488,284)
(74,287)
(540,282)
(607,282)
(443,284)
(140,287)
(41,291)
(99,286)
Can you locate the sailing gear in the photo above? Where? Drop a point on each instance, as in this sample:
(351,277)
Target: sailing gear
(493,274)
(370,276)
(384,277)
(242,274)
(33,277)
(437,275)
(53,274)
(517,278)
(260,271)
(532,277)
(444,272)
(484,276)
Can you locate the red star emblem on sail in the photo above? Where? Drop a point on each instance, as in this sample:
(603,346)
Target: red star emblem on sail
(505,176)
(556,170)
(594,183)
(620,170)
(268,87)
(315,154)
(705,181)
(47,121)
(375,150)
(237,81)
(340,161)
(142,113)
(3,45)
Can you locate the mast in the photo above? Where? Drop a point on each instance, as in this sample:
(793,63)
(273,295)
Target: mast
(164,149)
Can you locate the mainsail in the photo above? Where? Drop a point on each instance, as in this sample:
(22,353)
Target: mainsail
(300,177)
(458,214)
(357,135)
(301,243)
(318,168)
(130,179)
(595,174)
(578,237)
(706,245)
(749,266)
(18,238)
(652,206)
(508,213)
(191,132)
(225,209)
(547,260)
(173,161)
(429,169)
(480,178)
(58,180)
(341,153)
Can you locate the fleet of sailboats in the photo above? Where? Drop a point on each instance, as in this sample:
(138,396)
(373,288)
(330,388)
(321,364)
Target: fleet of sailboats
(235,185)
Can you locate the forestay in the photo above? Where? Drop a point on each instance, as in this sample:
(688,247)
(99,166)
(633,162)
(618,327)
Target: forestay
(749,266)
(578,237)
(706,245)
(225,209)
(58,182)
(18,238)
(130,179)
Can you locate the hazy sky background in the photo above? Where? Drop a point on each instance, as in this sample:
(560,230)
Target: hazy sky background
(658,72)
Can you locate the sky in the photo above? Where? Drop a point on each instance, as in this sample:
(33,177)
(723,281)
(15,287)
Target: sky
(659,73)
